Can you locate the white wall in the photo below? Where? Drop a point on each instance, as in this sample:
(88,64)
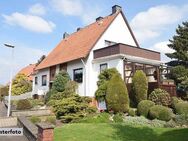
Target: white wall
(70,68)
(117,32)
(38,88)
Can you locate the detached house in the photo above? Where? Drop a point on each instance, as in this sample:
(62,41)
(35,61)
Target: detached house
(107,43)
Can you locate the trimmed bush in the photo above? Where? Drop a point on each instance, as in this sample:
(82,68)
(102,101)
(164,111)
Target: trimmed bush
(144,106)
(23,104)
(181,108)
(117,96)
(160,112)
(140,85)
(160,97)
(132,112)
(35,119)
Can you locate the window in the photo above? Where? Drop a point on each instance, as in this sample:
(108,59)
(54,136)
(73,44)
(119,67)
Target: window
(103,67)
(44,80)
(78,75)
(36,80)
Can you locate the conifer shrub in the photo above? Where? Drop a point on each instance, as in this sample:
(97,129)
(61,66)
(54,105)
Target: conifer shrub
(181,108)
(160,97)
(23,104)
(102,83)
(144,106)
(117,96)
(160,112)
(140,85)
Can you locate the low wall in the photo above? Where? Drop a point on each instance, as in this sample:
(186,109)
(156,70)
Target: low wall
(29,129)
(18,97)
(8,122)
(31,112)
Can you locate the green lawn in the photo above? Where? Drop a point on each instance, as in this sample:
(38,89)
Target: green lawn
(117,132)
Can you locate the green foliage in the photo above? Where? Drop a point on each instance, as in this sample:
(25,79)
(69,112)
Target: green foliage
(118,118)
(143,121)
(102,83)
(132,112)
(144,106)
(36,102)
(21,84)
(179,44)
(181,108)
(60,81)
(160,112)
(71,109)
(97,118)
(23,104)
(51,119)
(175,100)
(160,97)
(140,85)
(4,90)
(178,74)
(35,119)
(117,96)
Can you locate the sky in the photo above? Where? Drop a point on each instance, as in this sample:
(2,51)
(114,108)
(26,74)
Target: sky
(35,27)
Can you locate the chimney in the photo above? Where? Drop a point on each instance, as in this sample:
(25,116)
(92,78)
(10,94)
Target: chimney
(99,18)
(116,8)
(79,28)
(65,35)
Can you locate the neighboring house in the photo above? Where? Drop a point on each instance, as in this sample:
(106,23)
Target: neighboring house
(107,43)
(28,71)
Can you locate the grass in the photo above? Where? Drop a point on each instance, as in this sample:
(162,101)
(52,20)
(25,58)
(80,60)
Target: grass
(117,132)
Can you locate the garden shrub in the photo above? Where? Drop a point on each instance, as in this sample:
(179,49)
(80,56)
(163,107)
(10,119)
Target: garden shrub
(144,106)
(102,83)
(118,118)
(132,112)
(35,119)
(117,96)
(51,119)
(36,102)
(23,104)
(181,108)
(70,109)
(140,85)
(160,112)
(160,97)
(142,121)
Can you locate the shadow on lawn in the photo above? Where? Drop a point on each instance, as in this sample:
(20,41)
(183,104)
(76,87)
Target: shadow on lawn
(129,133)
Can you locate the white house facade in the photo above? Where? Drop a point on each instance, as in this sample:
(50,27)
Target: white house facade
(111,45)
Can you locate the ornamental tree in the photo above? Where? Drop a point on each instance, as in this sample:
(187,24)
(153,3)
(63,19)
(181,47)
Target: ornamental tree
(21,84)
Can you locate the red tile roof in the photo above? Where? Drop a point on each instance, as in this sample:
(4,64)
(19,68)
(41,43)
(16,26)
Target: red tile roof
(28,71)
(78,44)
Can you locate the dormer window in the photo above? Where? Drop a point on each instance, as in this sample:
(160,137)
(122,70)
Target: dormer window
(109,43)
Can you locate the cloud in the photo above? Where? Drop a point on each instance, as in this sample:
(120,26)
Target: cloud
(23,56)
(37,9)
(29,22)
(68,7)
(163,48)
(86,11)
(149,24)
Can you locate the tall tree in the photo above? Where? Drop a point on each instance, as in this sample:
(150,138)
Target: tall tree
(179,43)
